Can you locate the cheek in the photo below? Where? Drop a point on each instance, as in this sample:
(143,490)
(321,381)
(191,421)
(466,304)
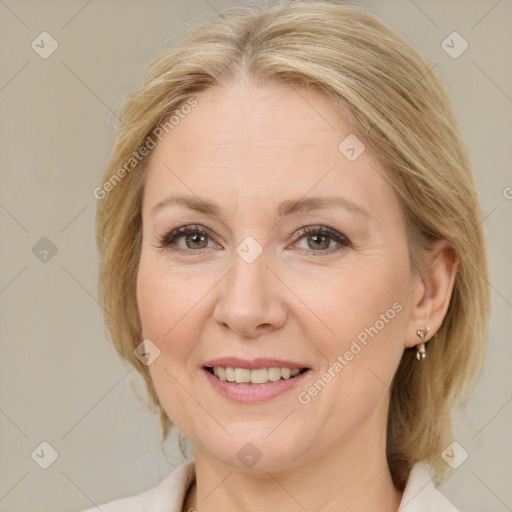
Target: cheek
(360,300)
(167,317)
(164,298)
(366,312)
(168,313)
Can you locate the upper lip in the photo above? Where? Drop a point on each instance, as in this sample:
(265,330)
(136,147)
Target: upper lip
(252,364)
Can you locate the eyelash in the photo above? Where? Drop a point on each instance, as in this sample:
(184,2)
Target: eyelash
(168,240)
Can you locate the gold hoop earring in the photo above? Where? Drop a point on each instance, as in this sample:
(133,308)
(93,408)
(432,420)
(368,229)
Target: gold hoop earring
(421,352)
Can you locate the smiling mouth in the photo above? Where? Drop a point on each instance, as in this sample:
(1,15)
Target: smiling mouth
(254,376)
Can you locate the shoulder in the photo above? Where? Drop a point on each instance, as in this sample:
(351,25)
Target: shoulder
(420,494)
(168,495)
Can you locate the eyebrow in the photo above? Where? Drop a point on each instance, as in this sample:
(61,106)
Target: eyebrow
(286,208)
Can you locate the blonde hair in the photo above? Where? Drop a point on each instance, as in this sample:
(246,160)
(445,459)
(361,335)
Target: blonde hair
(398,107)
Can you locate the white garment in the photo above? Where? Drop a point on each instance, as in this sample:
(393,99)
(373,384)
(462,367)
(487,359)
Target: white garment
(419,495)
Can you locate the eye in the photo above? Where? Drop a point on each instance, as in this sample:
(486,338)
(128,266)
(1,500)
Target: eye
(196,239)
(319,238)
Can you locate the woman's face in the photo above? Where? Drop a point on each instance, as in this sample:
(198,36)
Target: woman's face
(267,285)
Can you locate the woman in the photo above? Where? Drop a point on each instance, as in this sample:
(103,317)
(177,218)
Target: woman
(292,257)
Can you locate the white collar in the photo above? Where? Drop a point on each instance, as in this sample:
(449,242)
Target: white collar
(420,495)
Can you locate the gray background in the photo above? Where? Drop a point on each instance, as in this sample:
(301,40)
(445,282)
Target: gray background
(61,382)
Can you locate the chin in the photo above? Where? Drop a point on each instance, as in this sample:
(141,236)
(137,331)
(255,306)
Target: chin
(256,447)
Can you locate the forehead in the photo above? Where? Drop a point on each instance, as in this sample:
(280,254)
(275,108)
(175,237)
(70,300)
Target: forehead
(278,118)
(261,143)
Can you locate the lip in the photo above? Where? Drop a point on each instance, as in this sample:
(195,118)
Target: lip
(253,393)
(253,364)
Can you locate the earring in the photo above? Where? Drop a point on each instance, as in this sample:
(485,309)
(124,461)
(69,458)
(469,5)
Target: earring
(420,348)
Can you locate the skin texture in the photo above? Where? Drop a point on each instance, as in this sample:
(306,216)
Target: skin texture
(248,148)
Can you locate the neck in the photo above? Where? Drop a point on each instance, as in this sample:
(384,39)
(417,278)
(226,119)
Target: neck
(353,476)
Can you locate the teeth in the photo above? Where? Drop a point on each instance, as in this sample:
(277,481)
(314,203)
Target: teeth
(257,376)
(242,375)
(230,374)
(274,374)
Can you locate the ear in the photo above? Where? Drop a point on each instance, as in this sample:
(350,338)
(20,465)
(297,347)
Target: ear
(432,292)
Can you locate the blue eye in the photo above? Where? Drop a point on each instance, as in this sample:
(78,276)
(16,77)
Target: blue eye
(197,237)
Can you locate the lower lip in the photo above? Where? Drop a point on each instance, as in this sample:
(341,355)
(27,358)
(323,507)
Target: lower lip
(251,393)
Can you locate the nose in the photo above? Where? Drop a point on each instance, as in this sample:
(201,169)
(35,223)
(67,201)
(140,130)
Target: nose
(250,301)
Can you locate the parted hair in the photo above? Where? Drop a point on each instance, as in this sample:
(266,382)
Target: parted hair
(396,104)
